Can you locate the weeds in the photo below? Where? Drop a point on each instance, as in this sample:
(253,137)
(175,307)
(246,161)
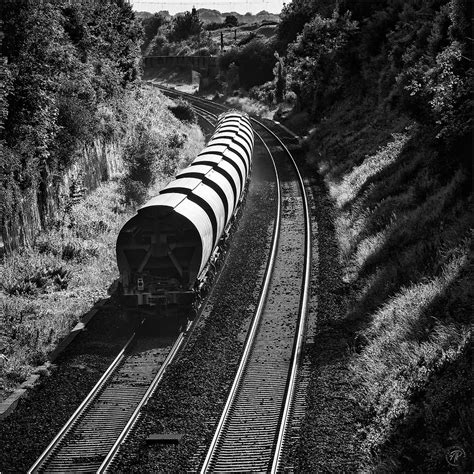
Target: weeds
(45,289)
(404,231)
(155,152)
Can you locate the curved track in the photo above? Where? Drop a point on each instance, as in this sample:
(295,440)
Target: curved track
(251,432)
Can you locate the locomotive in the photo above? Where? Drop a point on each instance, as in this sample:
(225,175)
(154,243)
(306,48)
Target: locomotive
(167,253)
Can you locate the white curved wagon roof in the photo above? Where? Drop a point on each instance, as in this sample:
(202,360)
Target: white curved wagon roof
(207,192)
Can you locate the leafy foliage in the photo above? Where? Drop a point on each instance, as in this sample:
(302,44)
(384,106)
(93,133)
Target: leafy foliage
(66,60)
(313,60)
(186,25)
(151,26)
(231,20)
(295,15)
(389,86)
(255,62)
(154,151)
(413,56)
(184,111)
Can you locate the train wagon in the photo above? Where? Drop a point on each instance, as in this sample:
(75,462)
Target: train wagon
(166,253)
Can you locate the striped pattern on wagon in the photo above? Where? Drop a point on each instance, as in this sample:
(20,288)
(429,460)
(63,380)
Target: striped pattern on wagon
(209,190)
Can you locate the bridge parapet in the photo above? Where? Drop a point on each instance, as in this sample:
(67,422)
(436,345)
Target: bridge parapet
(203,64)
(206,66)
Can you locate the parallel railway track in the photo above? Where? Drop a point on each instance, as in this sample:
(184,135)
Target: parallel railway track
(250,435)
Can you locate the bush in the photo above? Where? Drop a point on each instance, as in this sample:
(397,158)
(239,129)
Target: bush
(203,52)
(255,62)
(158,144)
(183,111)
(247,39)
(185,26)
(151,26)
(312,60)
(231,20)
(264,93)
(213,26)
(66,61)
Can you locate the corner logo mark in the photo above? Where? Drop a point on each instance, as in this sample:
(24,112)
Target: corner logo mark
(455,456)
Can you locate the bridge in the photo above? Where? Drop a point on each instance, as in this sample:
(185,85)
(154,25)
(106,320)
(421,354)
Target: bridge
(206,66)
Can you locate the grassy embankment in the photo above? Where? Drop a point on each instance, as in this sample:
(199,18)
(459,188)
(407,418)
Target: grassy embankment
(45,289)
(403,226)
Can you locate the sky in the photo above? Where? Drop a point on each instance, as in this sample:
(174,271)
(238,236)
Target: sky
(242,6)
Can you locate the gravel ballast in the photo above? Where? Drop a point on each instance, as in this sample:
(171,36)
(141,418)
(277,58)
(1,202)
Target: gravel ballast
(46,408)
(195,387)
(329,436)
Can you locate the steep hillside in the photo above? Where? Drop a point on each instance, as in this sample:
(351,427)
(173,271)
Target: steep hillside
(85,143)
(385,91)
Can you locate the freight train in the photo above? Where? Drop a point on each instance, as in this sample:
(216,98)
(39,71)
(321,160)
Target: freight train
(167,253)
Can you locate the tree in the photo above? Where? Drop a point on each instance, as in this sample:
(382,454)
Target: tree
(231,20)
(295,15)
(150,28)
(187,25)
(65,60)
(313,61)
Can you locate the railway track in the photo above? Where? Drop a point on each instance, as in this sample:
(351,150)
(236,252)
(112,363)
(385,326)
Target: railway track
(250,435)
(90,439)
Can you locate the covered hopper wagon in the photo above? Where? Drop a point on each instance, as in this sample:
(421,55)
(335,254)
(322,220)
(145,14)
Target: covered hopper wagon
(167,252)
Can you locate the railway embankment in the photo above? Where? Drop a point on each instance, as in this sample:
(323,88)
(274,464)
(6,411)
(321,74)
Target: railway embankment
(47,287)
(390,385)
(63,386)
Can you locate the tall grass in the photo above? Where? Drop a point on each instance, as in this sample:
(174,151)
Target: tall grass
(404,229)
(157,146)
(45,289)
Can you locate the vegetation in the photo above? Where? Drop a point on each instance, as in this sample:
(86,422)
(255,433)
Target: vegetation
(67,63)
(181,36)
(388,86)
(254,60)
(47,287)
(154,152)
(185,26)
(72,80)
(151,25)
(44,289)
(231,20)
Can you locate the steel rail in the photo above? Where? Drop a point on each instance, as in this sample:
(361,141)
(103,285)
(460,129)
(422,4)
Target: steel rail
(302,315)
(205,118)
(82,408)
(109,459)
(253,330)
(302,311)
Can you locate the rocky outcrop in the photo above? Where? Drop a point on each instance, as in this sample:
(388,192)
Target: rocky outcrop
(35,210)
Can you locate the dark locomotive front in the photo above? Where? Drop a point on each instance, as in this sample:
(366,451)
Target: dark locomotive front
(166,252)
